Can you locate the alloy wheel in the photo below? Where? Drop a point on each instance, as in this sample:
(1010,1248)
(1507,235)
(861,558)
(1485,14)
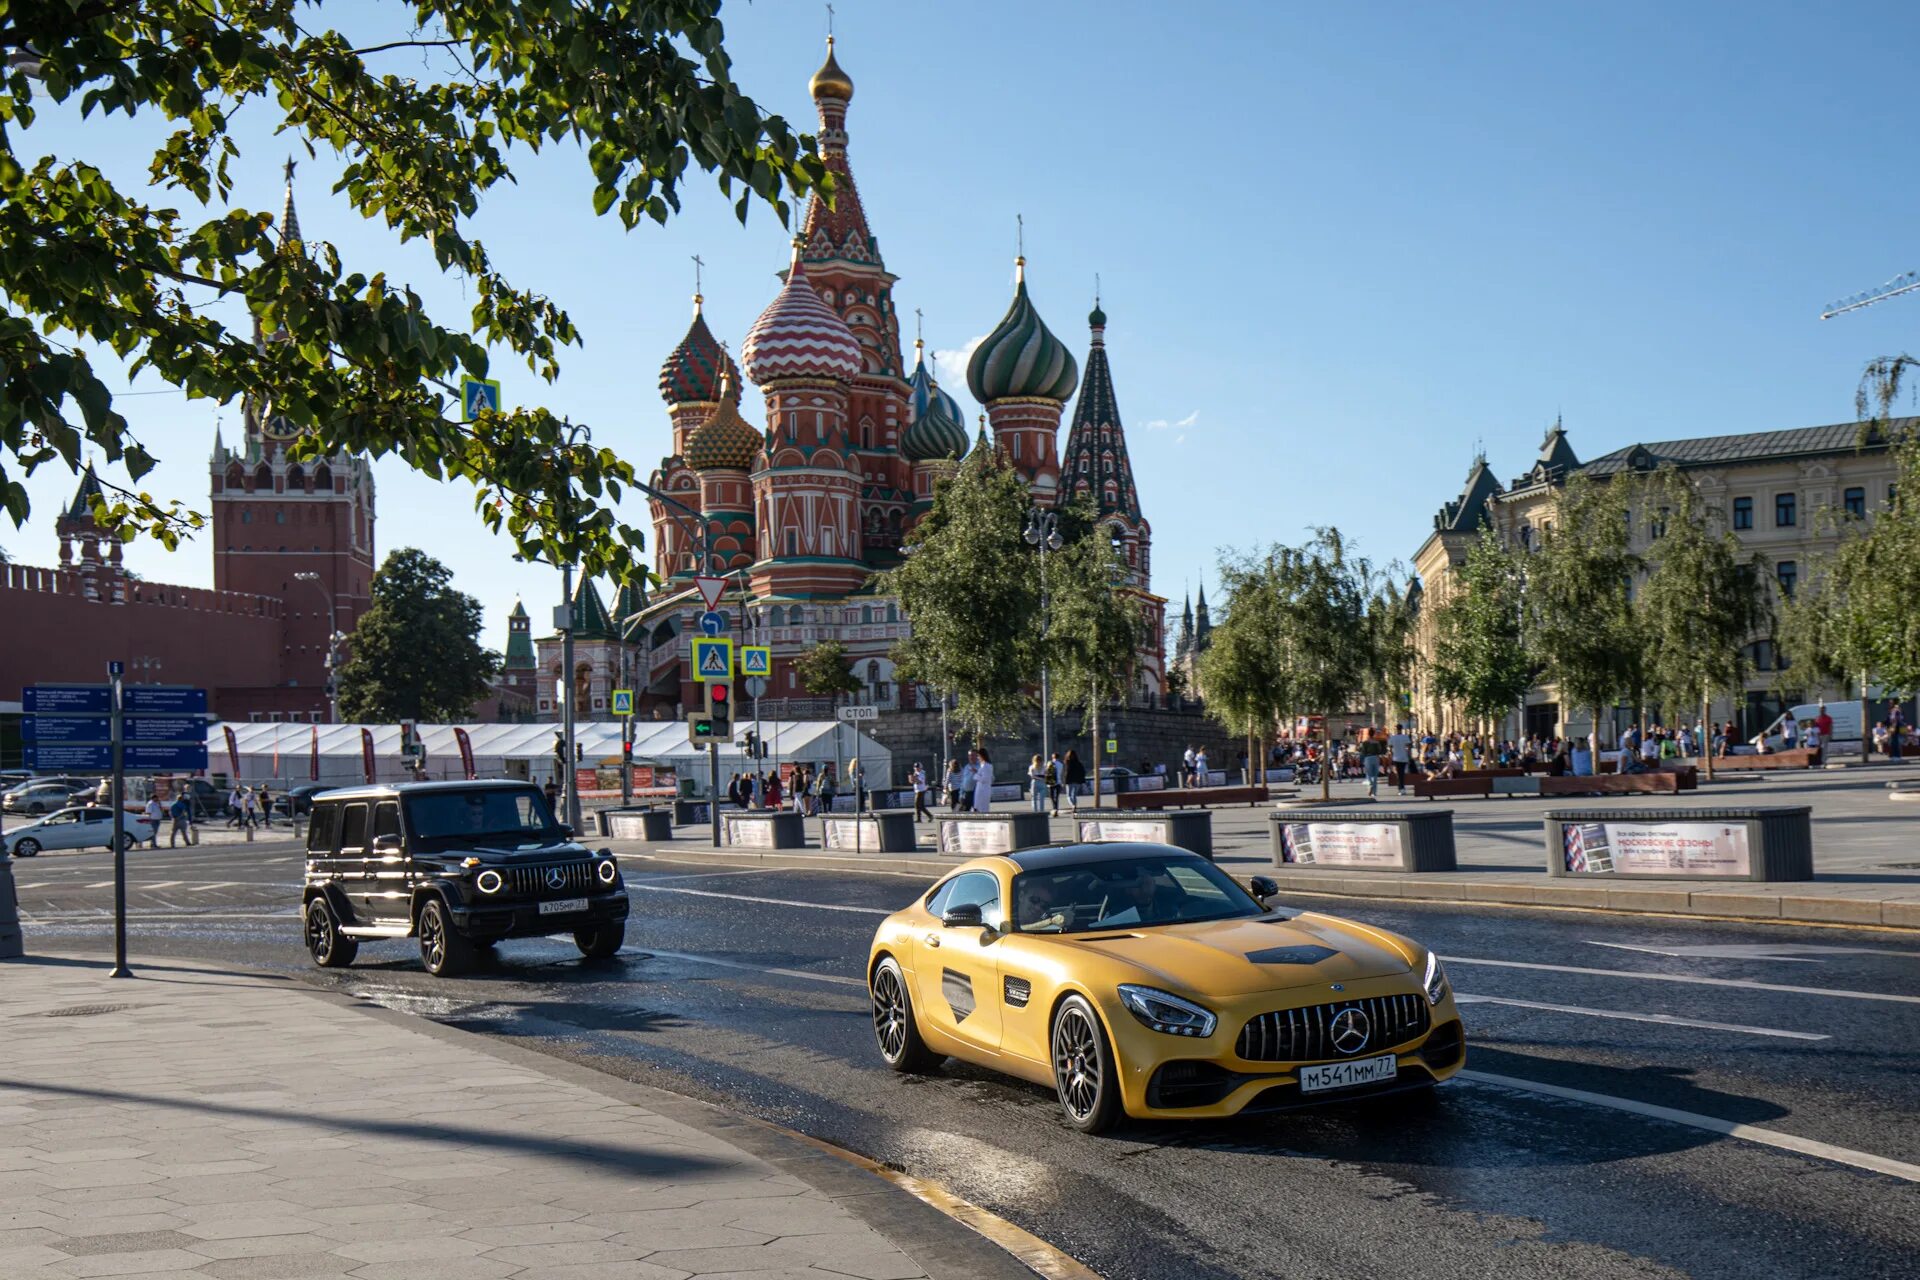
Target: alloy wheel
(1076,1063)
(433,939)
(319,932)
(889,1014)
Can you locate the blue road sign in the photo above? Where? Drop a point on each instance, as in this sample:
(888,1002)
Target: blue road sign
(713,623)
(165,700)
(66,728)
(756,660)
(66,699)
(140,757)
(712,660)
(477,394)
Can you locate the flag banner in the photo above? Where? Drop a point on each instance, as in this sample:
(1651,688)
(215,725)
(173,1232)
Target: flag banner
(466,752)
(366,752)
(233,752)
(313,766)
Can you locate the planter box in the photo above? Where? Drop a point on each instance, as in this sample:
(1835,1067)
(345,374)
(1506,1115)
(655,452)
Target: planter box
(1183,829)
(1363,839)
(697,813)
(639,824)
(763,829)
(1765,842)
(975,835)
(885,831)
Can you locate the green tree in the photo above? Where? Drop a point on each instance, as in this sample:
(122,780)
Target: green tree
(1093,625)
(426,118)
(1703,602)
(1480,656)
(1580,617)
(971,586)
(1245,687)
(1391,651)
(416,650)
(825,671)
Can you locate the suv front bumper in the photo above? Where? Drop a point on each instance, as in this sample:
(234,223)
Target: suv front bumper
(490,921)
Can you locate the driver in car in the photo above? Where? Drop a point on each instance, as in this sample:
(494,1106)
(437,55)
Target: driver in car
(1141,898)
(1040,904)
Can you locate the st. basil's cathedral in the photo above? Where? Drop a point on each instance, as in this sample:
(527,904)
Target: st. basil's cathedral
(801,514)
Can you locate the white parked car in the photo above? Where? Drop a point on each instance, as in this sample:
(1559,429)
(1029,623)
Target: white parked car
(86,828)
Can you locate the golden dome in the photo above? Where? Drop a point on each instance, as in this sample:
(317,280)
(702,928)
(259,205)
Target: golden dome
(830,81)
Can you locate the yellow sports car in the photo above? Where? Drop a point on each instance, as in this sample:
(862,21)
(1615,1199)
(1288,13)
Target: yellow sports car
(1142,979)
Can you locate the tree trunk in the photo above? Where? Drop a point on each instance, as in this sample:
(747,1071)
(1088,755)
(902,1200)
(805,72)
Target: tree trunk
(1326,757)
(1093,715)
(1705,745)
(1866,730)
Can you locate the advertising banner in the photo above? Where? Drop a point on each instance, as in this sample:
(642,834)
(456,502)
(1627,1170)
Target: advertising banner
(585,779)
(749,833)
(466,752)
(366,751)
(975,839)
(1341,844)
(1656,848)
(851,834)
(1124,831)
(233,753)
(313,762)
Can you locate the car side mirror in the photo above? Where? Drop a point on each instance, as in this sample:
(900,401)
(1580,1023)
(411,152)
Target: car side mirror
(966,916)
(1264,888)
(388,844)
(566,831)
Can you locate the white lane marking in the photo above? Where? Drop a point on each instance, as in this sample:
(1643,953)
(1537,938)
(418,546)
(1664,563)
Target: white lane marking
(142,917)
(1665,1019)
(1740,983)
(1789,951)
(103,884)
(835,978)
(218,884)
(774,902)
(704,875)
(1711,1124)
(160,884)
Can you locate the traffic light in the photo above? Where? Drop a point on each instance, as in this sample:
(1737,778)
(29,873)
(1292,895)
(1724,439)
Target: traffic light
(560,748)
(715,723)
(753,745)
(626,743)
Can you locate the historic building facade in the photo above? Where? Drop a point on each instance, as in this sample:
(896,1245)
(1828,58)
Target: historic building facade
(801,510)
(1782,493)
(293,560)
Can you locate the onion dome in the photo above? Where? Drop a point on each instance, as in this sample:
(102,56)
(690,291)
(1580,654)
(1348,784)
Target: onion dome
(1021,358)
(830,81)
(1096,318)
(692,373)
(935,434)
(724,440)
(800,336)
(923,392)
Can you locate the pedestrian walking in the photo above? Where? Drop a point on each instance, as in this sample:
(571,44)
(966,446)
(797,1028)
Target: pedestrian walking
(857,775)
(155,815)
(824,789)
(552,792)
(1037,784)
(250,810)
(1075,779)
(1789,732)
(954,778)
(919,777)
(182,812)
(1372,752)
(1056,779)
(1896,731)
(982,781)
(968,772)
(236,806)
(774,795)
(1200,767)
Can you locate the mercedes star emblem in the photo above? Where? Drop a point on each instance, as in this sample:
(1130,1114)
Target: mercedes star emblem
(557,878)
(1351,1027)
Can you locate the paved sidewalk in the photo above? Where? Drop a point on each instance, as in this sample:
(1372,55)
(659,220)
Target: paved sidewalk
(198,1122)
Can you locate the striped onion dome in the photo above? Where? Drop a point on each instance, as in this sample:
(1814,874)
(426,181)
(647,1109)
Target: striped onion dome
(692,372)
(800,336)
(1021,357)
(935,434)
(923,392)
(724,440)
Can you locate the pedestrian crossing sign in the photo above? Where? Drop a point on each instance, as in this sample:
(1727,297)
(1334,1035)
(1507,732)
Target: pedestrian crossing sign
(623,702)
(756,660)
(712,659)
(477,394)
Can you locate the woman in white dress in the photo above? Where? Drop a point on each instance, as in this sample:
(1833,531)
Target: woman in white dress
(982,782)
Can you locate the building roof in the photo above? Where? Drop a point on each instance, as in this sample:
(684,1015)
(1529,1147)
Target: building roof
(1096,452)
(937,429)
(830,81)
(725,441)
(519,655)
(1469,511)
(1021,358)
(800,336)
(1757,446)
(692,370)
(590,620)
(81,508)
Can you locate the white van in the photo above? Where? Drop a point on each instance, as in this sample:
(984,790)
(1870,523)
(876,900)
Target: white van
(1846,724)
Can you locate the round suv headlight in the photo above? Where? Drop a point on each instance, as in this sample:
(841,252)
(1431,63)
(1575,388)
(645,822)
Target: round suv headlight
(1435,981)
(607,870)
(488,881)
(1164,1011)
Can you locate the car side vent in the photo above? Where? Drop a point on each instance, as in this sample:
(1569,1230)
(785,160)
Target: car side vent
(1018,992)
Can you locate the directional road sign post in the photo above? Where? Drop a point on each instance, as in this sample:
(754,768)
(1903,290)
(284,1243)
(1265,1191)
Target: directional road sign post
(713,623)
(710,590)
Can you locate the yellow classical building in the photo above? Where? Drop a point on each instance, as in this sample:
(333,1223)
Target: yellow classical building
(1779,491)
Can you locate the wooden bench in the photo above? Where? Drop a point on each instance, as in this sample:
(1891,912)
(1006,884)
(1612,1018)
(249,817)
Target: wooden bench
(1613,784)
(1192,797)
(1803,758)
(1480,784)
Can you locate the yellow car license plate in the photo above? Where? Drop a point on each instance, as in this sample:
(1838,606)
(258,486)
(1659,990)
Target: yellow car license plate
(1344,1075)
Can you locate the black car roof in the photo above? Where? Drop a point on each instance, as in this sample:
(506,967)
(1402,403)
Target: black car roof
(1048,856)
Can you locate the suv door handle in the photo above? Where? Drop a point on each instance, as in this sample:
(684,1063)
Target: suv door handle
(932,939)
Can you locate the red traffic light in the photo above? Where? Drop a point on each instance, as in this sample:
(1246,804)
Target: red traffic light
(720,693)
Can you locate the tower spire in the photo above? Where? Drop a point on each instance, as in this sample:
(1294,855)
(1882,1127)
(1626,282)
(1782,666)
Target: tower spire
(289,219)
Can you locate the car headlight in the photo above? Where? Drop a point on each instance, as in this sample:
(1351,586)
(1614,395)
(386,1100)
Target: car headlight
(1164,1011)
(1436,980)
(607,869)
(488,881)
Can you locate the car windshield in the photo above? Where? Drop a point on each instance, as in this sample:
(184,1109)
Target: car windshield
(1127,893)
(510,814)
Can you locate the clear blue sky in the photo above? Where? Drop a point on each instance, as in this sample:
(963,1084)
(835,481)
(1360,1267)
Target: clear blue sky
(1342,246)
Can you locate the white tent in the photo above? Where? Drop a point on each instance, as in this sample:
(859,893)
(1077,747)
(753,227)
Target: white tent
(283,752)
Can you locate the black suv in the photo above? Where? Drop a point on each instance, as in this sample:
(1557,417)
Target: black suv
(459,865)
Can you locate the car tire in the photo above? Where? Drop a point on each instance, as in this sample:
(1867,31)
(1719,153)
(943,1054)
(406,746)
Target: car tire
(1084,1075)
(895,1029)
(600,941)
(128,841)
(443,951)
(329,948)
(27,848)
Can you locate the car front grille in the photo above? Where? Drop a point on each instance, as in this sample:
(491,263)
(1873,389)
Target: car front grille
(531,882)
(1306,1035)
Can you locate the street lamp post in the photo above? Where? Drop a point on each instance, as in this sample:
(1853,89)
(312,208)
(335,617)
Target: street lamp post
(1043,535)
(333,644)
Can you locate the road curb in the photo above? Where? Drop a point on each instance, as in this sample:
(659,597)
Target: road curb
(1669,899)
(951,1238)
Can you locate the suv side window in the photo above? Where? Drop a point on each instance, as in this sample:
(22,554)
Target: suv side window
(321,828)
(386,820)
(353,829)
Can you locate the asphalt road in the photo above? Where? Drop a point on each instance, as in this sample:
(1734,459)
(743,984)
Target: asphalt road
(744,987)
